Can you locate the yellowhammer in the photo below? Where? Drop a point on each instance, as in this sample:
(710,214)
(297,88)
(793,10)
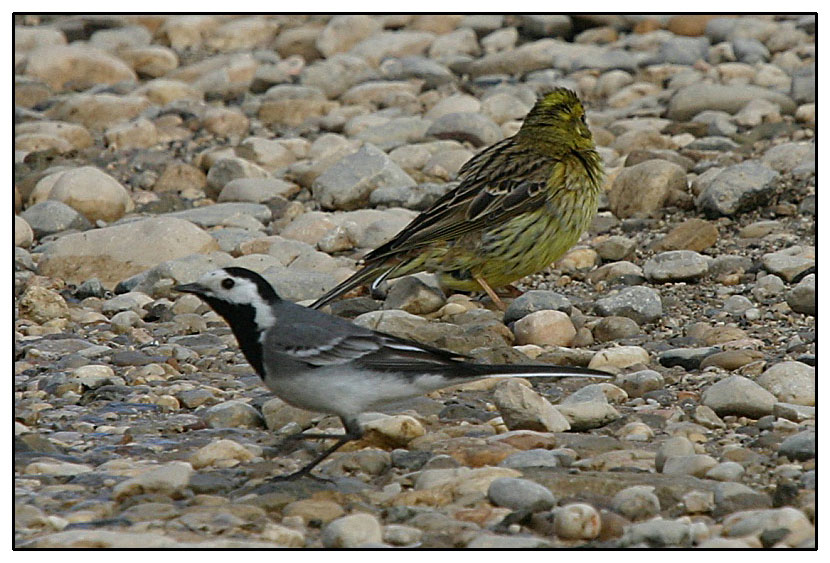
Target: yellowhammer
(521,204)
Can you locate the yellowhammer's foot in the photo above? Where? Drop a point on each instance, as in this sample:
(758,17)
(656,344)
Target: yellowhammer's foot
(492,294)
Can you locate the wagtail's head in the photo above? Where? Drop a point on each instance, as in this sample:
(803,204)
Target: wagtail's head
(236,286)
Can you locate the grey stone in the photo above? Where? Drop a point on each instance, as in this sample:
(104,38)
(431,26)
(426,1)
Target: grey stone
(615,328)
(732,497)
(799,447)
(111,254)
(536,300)
(789,262)
(533,458)
(523,408)
(50,217)
(676,265)
(790,382)
(738,188)
(641,304)
(691,100)
(418,197)
(349,182)
(636,503)
(638,383)
(337,74)
(739,396)
(520,494)
(219,213)
(660,533)
(466,127)
(683,50)
(414,296)
(394,133)
(431,72)
(354,530)
(232,414)
(750,50)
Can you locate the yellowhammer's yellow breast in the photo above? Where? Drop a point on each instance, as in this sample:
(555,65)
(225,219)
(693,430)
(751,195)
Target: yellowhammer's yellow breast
(521,246)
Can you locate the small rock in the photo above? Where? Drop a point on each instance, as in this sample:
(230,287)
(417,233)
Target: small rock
(726,471)
(645,187)
(348,183)
(640,382)
(545,328)
(520,494)
(619,357)
(232,414)
(676,446)
(737,189)
(636,503)
(352,531)
(640,304)
(739,396)
(576,522)
(676,265)
(799,447)
(696,465)
(790,382)
(219,453)
(802,298)
(165,479)
(523,408)
(414,296)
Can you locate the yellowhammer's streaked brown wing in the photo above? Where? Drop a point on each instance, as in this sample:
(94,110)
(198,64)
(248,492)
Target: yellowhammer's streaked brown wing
(498,184)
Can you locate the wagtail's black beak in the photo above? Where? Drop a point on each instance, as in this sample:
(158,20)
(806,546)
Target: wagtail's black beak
(196,288)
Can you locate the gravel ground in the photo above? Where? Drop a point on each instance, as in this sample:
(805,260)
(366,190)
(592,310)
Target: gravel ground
(151,149)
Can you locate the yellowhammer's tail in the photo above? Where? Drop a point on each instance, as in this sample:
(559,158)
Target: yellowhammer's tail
(364,275)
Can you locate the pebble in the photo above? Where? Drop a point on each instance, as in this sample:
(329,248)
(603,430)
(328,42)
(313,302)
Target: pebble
(222,453)
(636,503)
(802,297)
(800,446)
(659,533)
(790,382)
(639,383)
(738,189)
(232,414)
(576,522)
(646,187)
(676,265)
(522,408)
(354,530)
(615,328)
(520,494)
(536,300)
(545,328)
(619,357)
(789,262)
(640,304)
(50,217)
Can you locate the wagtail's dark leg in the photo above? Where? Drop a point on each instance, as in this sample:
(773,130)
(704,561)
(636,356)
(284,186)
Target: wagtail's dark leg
(353,432)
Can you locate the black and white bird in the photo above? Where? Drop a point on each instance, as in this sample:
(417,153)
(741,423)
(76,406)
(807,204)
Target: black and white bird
(322,363)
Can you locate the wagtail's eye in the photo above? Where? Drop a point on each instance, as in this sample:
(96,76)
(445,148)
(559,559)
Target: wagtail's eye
(227,283)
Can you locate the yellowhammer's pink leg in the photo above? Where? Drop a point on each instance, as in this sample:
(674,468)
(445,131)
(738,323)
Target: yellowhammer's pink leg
(489,290)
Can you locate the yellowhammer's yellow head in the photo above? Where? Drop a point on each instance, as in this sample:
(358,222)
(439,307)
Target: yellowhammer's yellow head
(558,118)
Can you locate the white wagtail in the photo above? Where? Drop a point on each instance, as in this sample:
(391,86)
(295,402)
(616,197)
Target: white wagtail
(322,363)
